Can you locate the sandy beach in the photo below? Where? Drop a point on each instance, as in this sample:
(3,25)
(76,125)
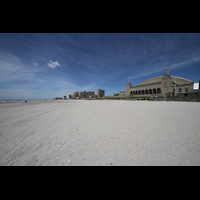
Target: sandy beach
(99,132)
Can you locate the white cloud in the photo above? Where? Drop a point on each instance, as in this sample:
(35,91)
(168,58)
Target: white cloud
(53,64)
(36,64)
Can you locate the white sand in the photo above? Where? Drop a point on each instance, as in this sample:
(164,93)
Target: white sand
(99,133)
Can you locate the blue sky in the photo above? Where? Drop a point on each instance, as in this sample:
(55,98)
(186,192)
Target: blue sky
(49,65)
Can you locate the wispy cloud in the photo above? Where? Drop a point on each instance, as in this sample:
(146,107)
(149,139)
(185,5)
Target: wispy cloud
(160,67)
(13,69)
(53,64)
(36,64)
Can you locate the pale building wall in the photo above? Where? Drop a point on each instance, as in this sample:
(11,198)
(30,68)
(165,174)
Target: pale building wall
(122,94)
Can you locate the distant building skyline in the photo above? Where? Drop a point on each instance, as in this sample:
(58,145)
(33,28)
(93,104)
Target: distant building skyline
(80,95)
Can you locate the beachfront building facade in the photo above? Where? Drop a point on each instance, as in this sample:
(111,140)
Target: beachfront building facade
(91,94)
(159,86)
(83,95)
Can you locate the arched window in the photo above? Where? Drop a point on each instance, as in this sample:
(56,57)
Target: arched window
(150,91)
(154,91)
(158,91)
(146,91)
(139,92)
(142,91)
(131,93)
(136,92)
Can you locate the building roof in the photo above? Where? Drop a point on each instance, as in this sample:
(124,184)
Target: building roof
(145,84)
(178,80)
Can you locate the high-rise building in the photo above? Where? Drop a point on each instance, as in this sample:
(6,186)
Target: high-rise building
(100,93)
